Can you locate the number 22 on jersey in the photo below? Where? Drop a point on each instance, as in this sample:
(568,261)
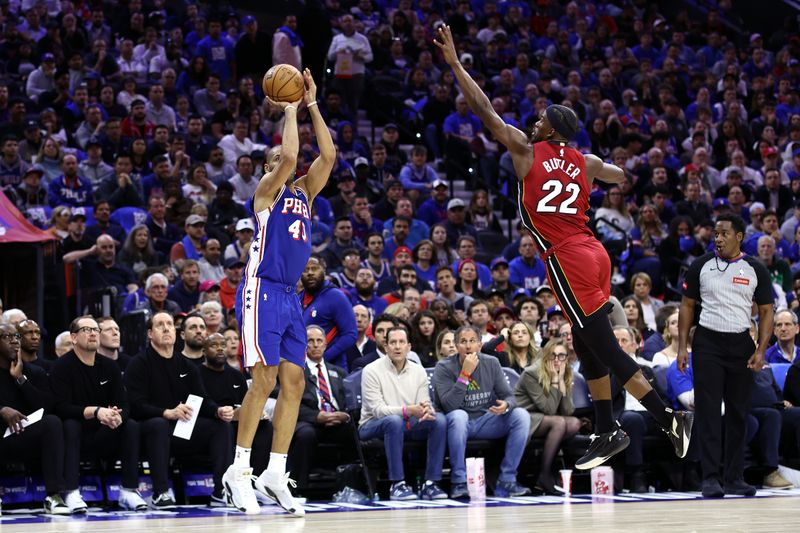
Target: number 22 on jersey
(298,229)
(548,204)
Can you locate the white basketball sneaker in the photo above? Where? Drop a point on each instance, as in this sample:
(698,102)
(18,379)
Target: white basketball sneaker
(238,482)
(277,488)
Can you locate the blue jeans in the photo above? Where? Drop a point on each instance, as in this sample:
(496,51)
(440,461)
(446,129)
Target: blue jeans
(392,429)
(515,425)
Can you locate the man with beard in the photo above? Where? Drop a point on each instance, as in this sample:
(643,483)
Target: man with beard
(192,244)
(326,306)
(210,265)
(224,213)
(364,293)
(121,189)
(23,390)
(92,403)
(193,334)
(375,261)
(110,346)
(30,340)
(159,381)
(342,242)
(70,188)
(164,234)
(104,225)
(401,228)
(136,123)
(361,219)
(186,292)
(345,278)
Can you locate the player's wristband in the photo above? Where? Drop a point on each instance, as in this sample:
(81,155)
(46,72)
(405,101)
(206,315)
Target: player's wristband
(311,104)
(288,107)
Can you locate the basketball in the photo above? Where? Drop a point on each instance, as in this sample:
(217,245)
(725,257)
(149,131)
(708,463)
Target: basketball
(283,83)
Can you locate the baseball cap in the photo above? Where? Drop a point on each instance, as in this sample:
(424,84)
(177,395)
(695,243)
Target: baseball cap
(555,310)
(466,57)
(402,249)
(498,261)
(32,125)
(34,168)
(76,216)
(245,224)
(442,183)
(721,202)
(390,126)
(794,62)
(208,285)
(392,183)
(796,152)
(768,151)
(455,203)
(248,19)
(233,262)
(542,288)
(755,37)
(48,57)
(93,141)
(191,220)
(520,292)
(503,310)
(233,92)
(360,161)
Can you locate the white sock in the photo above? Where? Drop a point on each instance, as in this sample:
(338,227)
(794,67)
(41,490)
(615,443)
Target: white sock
(242,457)
(277,464)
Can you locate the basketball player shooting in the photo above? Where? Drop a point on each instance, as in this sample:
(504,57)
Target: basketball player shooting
(268,308)
(553,200)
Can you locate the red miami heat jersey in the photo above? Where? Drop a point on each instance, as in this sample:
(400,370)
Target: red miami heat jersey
(554,196)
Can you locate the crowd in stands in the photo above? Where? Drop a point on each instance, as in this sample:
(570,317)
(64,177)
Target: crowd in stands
(134,133)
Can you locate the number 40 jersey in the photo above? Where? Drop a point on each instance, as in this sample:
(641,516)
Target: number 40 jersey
(554,196)
(282,241)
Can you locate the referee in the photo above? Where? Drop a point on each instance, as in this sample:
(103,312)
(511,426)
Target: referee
(724,357)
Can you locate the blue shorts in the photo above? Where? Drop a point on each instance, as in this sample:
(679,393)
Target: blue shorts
(271,323)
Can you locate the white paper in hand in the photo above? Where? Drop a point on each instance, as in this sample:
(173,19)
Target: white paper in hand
(32,419)
(184,428)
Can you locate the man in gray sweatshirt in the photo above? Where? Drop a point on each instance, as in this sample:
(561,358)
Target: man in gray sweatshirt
(474,394)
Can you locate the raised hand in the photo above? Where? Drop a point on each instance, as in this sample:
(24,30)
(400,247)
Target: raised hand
(444,40)
(283,105)
(310,95)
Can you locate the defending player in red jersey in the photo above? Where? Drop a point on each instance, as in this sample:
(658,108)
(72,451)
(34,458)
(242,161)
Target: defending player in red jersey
(554,198)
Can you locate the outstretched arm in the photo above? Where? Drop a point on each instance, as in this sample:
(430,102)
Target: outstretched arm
(271,182)
(596,168)
(319,172)
(512,138)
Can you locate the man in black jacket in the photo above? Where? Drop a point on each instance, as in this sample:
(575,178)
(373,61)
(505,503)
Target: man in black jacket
(23,390)
(91,401)
(227,387)
(322,417)
(159,383)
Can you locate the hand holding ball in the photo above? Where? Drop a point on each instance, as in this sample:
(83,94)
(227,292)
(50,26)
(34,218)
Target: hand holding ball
(283,83)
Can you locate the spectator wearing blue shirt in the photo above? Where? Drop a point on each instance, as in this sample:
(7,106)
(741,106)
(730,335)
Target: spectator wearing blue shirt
(417,176)
(785,330)
(364,292)
(461,130)
(401,225)
(645,49)
(363,221)
(527,270)
(218,51)
(434,209)
(680,386)
(456,224)
(328,307)
(418,229)
(69,188)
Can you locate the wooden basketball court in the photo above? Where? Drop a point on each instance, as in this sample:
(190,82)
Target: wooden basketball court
(770,511)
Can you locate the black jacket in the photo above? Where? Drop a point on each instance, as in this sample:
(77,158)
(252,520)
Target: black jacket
(309,403)
(31,396)
(156,383)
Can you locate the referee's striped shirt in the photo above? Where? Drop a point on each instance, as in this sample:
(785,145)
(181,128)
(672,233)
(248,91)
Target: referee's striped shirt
(726,290)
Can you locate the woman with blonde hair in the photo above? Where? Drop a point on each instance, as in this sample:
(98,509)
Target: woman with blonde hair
(670,352)
(49,158)
(446,344)
(545,391)
(522,350)
(398,309)
(59,222)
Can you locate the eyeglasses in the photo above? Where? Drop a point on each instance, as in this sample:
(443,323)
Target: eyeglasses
(88,329)
(6,336)
(561,356)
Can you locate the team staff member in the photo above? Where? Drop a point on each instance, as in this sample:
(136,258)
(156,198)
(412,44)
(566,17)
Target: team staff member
(724,356)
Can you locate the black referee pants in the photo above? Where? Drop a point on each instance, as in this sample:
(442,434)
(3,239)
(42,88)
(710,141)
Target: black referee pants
(719,364)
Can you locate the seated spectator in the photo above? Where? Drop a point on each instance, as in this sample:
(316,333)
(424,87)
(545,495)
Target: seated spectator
(138,252)
(153,298)
(418,230)
(528,269)
(544,389)
(447,290)
(456,224)
(785,330)
(69,188)
(109,345)
(212,314)
(362,220)
(345,278)
(466,247)
(521,346)
(364,292)
(92,402)
(238,144)
(103,271)
(655,342)
(159,381)
(418,176)
(480,214)
(211,263)
(326,306)
(401,227)
(191,245)
(29,343)
(24,389)
(322,417)
(775,416)
(424,330)
(244,182)
(186,291)
(394,406)
(375,261)
(669,353)
(467,277)
(240,247)
(464,387)
(641,285)
(227,387)
(434,209)
(228,285)
(104,225)
(163,234)
(193,333)
(380,325)
(422,255)
(342,242)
